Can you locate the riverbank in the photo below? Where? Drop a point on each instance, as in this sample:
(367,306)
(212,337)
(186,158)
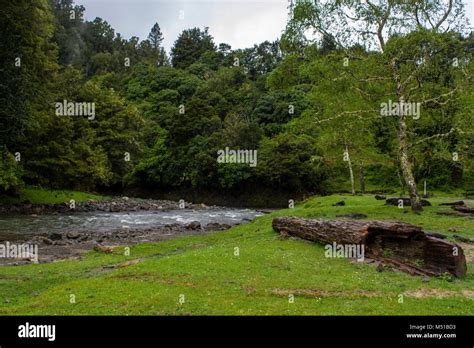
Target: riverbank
(72,245)
(245,270)
(62,231)
(112,204)
(38,195)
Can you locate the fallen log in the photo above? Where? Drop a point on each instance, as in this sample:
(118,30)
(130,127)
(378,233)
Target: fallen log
(455,213)
(463,209)
(463,239)
(399,244)
(453,203)
(406,202)
(436,235)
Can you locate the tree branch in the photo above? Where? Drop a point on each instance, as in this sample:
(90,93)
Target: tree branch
(440,135)
(445,16)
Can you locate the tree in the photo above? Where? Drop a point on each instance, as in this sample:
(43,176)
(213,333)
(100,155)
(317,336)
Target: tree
(260,59)
(116,129)
(289,162)
(10,176)
(27,60)
(68,25)
(190,46)
(409,36)
(151,49)
(28,66)
(155,37)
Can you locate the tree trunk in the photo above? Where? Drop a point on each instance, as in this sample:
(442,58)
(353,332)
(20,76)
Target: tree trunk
(362,178)
(399,244)
(406,165)
(400,182)
(351,173)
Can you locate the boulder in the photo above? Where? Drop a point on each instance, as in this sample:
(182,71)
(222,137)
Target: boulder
(73,235)
(103,249)
(55,236)
(193,225)
(47,241)
(339,204)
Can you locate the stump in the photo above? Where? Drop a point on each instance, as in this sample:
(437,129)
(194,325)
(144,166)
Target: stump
(404,246)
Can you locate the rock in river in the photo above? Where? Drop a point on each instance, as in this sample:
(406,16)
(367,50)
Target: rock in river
(193,225)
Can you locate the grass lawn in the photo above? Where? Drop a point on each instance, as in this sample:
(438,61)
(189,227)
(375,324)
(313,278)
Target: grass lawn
(43,196)
(205,272)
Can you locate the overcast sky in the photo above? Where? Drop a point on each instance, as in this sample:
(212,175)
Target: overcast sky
(240,23)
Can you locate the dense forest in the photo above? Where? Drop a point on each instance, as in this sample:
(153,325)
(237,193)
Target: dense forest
(317,105)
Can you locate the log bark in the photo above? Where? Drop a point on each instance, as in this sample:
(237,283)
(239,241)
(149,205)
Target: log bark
(463,239)
(455,213)
(463,209)
(454,203)
(404,246)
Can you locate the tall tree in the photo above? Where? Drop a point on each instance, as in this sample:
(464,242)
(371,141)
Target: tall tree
(27,67)
(155,37)
(190,46)
(151,49)
(411,38)
(68,25)
(27,58)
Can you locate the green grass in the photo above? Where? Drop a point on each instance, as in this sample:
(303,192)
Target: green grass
(257,282)
(42,196)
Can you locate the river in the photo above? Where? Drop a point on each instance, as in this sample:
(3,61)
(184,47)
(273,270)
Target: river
(21,226)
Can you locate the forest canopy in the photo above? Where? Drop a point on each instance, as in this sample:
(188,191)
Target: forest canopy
(309,103)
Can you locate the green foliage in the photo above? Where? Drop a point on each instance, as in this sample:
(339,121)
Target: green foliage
(10,173)
(287,74)
(294,101)
(190,46)
(27,59)
(291,162)
(38,195)
(260,59)
(151,169)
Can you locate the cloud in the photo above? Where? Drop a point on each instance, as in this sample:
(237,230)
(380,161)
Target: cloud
(243,24)
(240,23)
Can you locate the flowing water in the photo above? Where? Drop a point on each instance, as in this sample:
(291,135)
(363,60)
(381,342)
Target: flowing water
(19,226)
